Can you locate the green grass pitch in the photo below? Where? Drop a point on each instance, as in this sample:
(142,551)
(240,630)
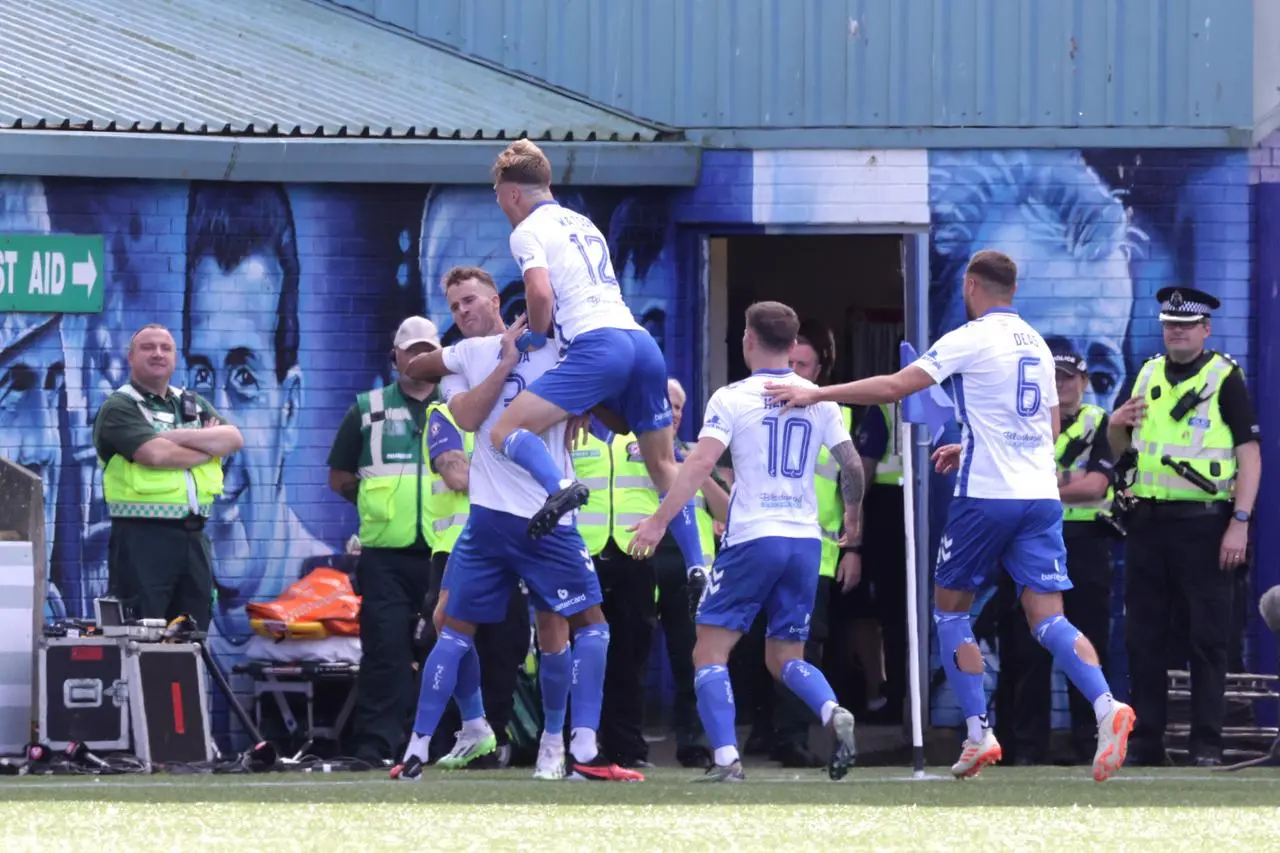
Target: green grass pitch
(873,809)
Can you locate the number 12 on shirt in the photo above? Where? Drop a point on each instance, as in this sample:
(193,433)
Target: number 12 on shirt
(601,270)
(788,446)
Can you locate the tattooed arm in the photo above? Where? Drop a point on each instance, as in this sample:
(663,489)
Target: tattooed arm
(454,468)
(853,485)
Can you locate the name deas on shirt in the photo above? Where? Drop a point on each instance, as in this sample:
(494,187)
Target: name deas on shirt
(768,501)
(1023,339)
(1022,439)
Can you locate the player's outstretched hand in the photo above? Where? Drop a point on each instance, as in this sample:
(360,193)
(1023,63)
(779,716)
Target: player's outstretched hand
(511,340)
(577,428)
(946,458)
(648,533)
(790,396)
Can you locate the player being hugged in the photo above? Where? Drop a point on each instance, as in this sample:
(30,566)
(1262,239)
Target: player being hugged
(608,362)
(772,545)
(1006,509)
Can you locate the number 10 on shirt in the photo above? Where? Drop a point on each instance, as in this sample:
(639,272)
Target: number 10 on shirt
(788,446)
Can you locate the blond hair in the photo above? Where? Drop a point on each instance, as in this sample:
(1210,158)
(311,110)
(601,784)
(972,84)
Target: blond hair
(522,163)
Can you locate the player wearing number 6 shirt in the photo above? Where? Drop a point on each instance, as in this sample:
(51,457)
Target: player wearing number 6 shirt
(608,362)
(1005,510)
(772,546)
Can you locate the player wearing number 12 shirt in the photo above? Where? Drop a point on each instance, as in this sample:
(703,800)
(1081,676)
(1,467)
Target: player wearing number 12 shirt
(608,362)
(1005,511)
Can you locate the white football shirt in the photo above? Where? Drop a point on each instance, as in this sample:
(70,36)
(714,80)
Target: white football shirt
(774,456)
(1001,378)
(576,256)
(496,482)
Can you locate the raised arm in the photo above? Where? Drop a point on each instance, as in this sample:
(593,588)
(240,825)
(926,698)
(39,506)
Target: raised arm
(469,408)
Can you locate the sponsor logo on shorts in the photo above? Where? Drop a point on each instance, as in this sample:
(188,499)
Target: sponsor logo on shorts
(568,602)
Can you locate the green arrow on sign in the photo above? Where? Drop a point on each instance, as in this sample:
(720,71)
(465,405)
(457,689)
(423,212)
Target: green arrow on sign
(51,274)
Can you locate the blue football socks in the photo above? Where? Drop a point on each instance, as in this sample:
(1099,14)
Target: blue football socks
(439,679)
(466,691)
(954,632)
(555,675)
(590,651)
(716,710)
(530,453)
(1059,636)
(684,529)
(808,682)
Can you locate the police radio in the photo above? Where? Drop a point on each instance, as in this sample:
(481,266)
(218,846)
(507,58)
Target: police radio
(190,406)
(1186,403)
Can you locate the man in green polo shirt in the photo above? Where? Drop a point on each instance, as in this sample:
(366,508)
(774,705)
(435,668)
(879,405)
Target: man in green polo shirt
(161,450)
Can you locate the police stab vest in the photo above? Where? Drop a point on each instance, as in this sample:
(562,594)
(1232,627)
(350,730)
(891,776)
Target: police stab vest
(446,510)
(1201,438)
(889,468)
(1083,428)
(394,478)
(830,503)
(635,497)
(133,490)
(593,467)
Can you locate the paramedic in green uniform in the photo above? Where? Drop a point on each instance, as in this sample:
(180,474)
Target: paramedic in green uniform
(379,463)
(161,451)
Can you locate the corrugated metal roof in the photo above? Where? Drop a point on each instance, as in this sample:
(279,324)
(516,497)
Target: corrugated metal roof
(264,68)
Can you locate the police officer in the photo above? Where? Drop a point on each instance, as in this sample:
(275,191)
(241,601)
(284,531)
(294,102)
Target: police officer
(161,450)
(1084,487)
(379,462)
(871,605)
(629,586)
(1192,426)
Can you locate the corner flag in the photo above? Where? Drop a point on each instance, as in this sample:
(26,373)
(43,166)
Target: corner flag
(931,407)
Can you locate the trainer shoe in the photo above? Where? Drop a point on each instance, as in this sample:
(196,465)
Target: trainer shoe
(599,769)
(550,761)
(468,747)
(723,773)
(844,752)
(564,501)
(409,770)
(1113,741)
(975,756)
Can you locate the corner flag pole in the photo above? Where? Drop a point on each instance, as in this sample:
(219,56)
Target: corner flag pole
(933,413)
(913,610)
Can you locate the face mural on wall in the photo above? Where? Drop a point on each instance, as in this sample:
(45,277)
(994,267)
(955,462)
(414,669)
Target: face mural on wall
(1095,234)
(283,301)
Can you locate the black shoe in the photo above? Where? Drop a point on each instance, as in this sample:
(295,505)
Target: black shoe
(1208,756)
(564,501)
(795,755)
(723,773)
(409,771)
(693,756)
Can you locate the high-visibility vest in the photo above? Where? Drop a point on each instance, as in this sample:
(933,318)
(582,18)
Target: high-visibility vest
(1201,438)
(1084,427)
(446,510)
(635,497)
(889,468)
(394,482)
(133,490)
(593,467)
(830,503)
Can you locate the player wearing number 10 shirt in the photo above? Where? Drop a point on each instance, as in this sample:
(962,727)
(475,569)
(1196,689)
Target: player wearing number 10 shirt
(1005,511)
(772,546)
(608,362)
